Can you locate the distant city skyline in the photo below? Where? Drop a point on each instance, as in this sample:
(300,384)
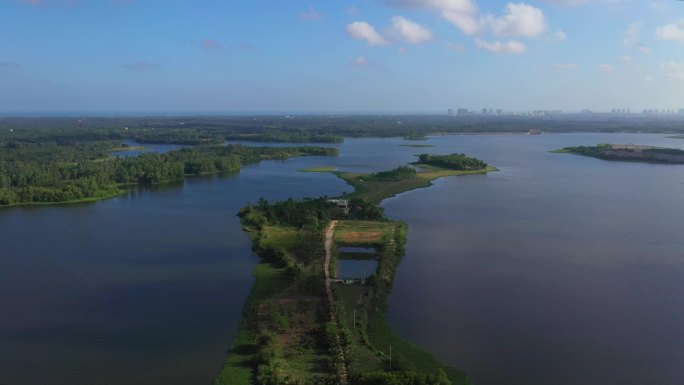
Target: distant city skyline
(367,56)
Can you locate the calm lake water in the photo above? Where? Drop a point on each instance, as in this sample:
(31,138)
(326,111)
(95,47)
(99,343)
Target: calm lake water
(557,270)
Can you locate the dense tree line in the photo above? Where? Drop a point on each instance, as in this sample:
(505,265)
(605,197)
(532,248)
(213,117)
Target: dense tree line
(315,213)
(288,137)
(47,172)
(452,161)
(397,174)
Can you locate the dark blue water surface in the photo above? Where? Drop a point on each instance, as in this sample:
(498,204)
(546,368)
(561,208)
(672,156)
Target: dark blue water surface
(356,268)
(557,270)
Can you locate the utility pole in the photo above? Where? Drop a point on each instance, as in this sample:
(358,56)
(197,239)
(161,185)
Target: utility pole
(390,351)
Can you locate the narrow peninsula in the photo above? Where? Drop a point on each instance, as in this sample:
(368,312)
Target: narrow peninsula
(308,319)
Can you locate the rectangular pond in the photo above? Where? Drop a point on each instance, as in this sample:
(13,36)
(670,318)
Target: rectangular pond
(356,268)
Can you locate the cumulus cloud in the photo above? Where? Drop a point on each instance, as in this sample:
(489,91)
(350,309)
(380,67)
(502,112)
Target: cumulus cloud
(460,6)
(363,31)
(310,14)
(467,23)
(673,69)
(411,31)
(454,47)
(511,46)
(673,31)
(519,20)
(565,66)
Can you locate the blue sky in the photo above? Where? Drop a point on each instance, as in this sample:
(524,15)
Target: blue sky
(339,56)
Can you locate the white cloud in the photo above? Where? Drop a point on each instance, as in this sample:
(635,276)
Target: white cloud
(363,31)
(360,61)
(673,69)
(459,6)
(607,68)
(565,66)
(310,14)
(411,31)
(673,31)
(520,20)
(454,47)
(511,46)
(467,23)
(627,58)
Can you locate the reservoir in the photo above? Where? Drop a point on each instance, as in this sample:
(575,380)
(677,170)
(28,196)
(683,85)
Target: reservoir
(558,269)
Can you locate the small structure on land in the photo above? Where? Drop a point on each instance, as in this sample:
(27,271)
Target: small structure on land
(341,204)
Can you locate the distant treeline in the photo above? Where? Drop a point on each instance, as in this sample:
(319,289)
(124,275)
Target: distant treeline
(58,170)
(322,129)
(452,161)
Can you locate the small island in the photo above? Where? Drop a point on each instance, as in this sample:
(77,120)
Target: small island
(628,152)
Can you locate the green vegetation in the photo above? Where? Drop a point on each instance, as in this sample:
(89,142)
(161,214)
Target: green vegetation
(238,369)
(125,147)
(628,152)
(418,145)
(416,136)
(374,191)
(452,161)
(398,174)
(319,169)
(63,168)
(288,137)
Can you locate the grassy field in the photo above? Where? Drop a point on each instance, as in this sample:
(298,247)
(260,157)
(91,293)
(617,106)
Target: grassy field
(374,191)
(239,367)
(319,169)
(362,233)
(278,237)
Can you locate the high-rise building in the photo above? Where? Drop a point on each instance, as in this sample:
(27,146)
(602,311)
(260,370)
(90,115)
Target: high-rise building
(462,111)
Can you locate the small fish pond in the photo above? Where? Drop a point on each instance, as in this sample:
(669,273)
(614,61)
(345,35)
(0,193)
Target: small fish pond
(356,262)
